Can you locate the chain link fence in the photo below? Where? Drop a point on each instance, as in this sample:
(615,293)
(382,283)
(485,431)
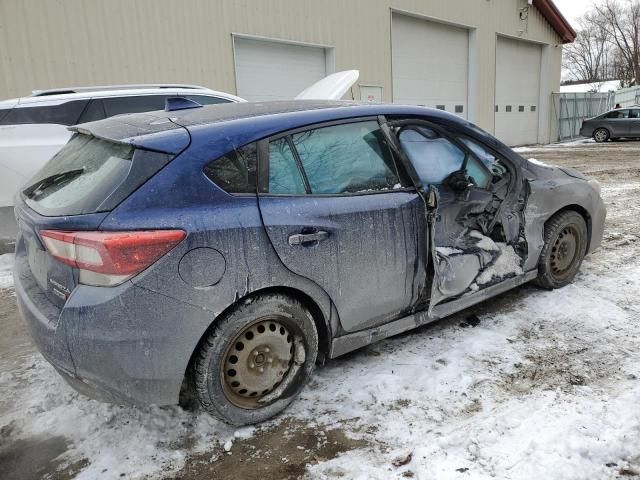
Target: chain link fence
(570,109)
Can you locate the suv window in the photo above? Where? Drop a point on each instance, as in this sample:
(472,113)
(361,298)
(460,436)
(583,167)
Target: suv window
(133,104)
(346,158)
(205,99)
(93,112)
(284,174)
(66,113)
(235,172)
(618,114)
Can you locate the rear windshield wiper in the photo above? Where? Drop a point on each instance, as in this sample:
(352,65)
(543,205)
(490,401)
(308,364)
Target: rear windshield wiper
(50,181)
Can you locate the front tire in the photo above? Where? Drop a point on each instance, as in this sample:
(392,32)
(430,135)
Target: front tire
(565,245)
(601,135)
(256,360)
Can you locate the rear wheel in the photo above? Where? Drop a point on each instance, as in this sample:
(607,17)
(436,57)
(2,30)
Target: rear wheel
(256,360)
(565,245)
(601,135)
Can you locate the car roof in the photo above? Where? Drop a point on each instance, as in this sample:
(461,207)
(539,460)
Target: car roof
(157,130)
(57,99)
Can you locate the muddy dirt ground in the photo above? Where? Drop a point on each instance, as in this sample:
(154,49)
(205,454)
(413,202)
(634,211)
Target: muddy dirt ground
(294,446)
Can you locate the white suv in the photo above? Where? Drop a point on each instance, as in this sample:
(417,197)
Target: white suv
(34,128)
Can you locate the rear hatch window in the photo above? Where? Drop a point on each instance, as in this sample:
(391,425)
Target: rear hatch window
(90,175)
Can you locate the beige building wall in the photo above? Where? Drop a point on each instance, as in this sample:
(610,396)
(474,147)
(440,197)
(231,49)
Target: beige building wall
(58,43)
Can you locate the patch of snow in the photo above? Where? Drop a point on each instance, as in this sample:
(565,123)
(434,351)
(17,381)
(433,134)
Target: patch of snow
(608,86)
(507,263)
(485,243)
(447,251)
(6,270)
(523,149)
(538,162)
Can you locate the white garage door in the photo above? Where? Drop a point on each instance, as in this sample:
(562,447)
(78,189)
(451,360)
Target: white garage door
(276,71)
(518,66)
(430,64)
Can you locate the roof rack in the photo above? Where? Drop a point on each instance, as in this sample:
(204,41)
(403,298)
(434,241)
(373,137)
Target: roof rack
(67,90)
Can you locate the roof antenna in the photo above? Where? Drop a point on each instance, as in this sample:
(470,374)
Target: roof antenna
(172,104)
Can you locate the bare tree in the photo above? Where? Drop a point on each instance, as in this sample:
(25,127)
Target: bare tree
(586,58)
(621,21)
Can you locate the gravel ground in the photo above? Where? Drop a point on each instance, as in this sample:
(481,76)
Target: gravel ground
(530,384)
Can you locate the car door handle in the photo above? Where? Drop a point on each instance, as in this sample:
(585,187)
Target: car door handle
(304,238)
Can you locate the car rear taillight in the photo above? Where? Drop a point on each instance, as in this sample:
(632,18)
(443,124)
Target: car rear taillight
(109,258)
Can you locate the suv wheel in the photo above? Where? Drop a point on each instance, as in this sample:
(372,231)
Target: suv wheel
(256,360)
(601,135)
(565,245)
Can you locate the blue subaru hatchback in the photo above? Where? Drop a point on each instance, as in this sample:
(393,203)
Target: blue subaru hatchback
(223,251)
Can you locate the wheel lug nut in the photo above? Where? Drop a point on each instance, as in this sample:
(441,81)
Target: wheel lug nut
(261,369)
(267,350)
(252,365)
(269,360)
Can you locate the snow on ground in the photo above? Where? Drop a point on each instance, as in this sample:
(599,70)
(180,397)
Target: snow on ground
(580,142)
(547,385)
(6,266)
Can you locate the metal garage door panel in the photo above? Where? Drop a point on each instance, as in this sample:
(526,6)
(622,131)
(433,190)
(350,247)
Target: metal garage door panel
(518,65)
(268,70)
(430,63)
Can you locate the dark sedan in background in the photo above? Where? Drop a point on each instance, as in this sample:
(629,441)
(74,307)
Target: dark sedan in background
(612,125)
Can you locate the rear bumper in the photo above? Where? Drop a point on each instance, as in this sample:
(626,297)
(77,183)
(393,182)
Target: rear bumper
(586,131)
(122,345)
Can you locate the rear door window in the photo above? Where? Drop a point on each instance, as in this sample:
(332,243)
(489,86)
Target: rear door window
(66,113)
(93,112)
(235,172)
(346,158)
(285,177)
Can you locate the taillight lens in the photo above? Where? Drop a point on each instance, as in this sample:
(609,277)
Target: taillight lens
(109,258)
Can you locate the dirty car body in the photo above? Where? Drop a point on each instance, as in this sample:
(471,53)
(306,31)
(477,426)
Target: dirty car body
(374,219)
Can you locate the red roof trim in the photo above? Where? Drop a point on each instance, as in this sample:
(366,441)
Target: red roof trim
(560,24)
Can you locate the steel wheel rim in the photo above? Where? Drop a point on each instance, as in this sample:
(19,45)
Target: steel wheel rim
(564,252)
(256,361)
(601,135)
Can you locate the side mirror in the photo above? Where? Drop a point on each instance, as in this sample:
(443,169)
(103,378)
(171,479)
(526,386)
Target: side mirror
(459,181)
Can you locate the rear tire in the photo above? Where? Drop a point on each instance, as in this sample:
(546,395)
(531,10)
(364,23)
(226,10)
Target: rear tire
(565,245)
(256,360)
(601,135)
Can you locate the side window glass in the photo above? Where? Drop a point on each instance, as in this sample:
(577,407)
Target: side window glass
(235,172)
(635,114)
(206,99)
(133,104)
(618,114)
(346,158)
(66,113)
(284,175)
(93,112)
(433,156)
(488,159)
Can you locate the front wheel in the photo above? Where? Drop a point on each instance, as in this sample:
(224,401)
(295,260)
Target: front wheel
(601,135)
(565,245)
(256,360)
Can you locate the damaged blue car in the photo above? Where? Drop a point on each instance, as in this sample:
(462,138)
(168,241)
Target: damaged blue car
(221,252)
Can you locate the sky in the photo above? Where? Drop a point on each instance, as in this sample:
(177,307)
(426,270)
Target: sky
(573,9)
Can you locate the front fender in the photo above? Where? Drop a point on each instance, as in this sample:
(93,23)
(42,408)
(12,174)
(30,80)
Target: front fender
(548,196)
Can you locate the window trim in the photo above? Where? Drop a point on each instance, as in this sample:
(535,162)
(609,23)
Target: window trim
(263,161)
